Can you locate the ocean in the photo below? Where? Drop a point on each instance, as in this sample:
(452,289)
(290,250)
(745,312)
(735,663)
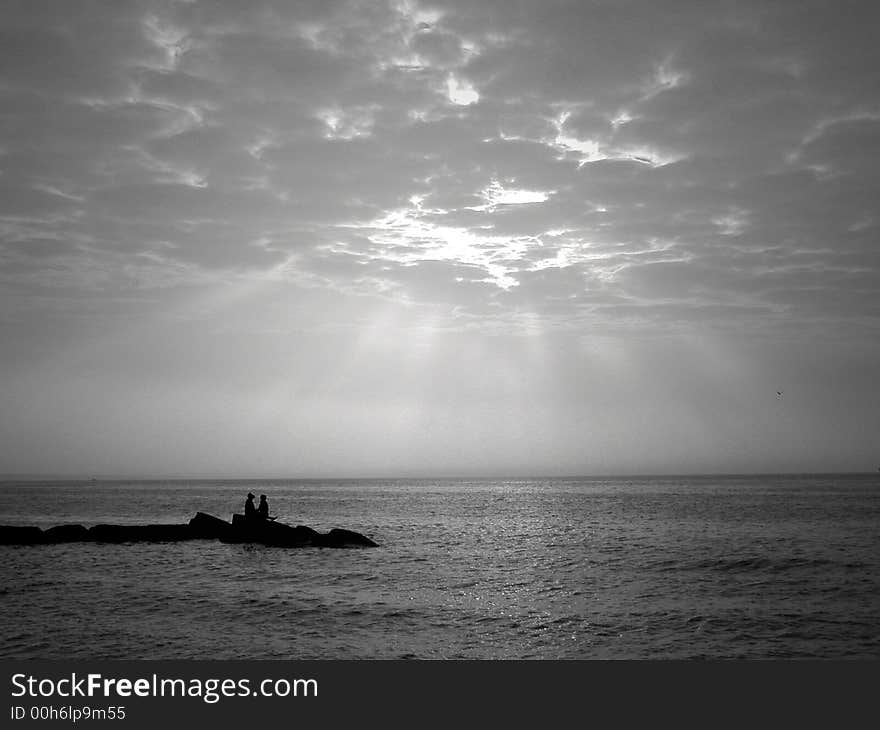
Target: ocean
(598,568)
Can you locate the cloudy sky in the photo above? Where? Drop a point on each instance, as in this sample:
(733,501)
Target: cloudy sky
(468,237)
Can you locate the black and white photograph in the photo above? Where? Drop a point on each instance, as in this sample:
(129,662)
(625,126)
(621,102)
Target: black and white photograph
(439,330)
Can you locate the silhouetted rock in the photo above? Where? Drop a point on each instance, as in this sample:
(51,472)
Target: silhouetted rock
(267,532)
(164,533)
(15,535)
(307,532)
(277,534)
(67,533)
(345,538)
(204,526)
(106,533)
(141,533)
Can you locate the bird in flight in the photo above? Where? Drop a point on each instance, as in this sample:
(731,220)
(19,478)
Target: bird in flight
(778,393)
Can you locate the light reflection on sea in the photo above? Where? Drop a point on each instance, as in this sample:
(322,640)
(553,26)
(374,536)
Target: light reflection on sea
(578,568)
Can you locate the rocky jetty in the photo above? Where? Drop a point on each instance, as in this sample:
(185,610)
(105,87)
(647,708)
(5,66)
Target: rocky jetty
(201,527)
(277,534)
(21,535)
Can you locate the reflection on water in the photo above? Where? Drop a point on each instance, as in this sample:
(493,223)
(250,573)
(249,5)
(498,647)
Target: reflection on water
(757,566)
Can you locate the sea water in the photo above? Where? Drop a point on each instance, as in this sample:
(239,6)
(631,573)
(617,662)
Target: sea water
(759,566)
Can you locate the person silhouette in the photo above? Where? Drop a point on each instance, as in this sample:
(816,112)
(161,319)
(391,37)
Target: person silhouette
(263,509)
(250,512)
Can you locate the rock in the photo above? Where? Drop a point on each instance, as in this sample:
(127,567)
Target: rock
(67,533)
(141,533)
(164,533)
(268,532)
(351,538)
(277,534)
(107,533)
(207,526)
(16,535)
(344,538)
(309,531)
(202,526)
(298,536)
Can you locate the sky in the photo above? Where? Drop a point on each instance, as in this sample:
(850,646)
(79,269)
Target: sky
(484,237)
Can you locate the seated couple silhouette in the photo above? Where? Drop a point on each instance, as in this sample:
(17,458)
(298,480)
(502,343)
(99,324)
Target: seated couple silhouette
(257,513)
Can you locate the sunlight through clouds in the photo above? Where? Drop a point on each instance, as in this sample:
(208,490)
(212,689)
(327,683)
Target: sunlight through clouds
(461,92)
(587,150)
(497,195)
(406,236)
(385,202)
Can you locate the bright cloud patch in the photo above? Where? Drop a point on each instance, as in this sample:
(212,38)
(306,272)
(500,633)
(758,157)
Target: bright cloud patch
(409,236)
(586,149)
(347,124)
(498,195)
(461,92)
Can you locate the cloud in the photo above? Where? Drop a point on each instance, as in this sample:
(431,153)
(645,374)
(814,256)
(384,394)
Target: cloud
(559,153)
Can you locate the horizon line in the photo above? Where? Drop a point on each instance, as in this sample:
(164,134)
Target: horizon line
(34,477)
